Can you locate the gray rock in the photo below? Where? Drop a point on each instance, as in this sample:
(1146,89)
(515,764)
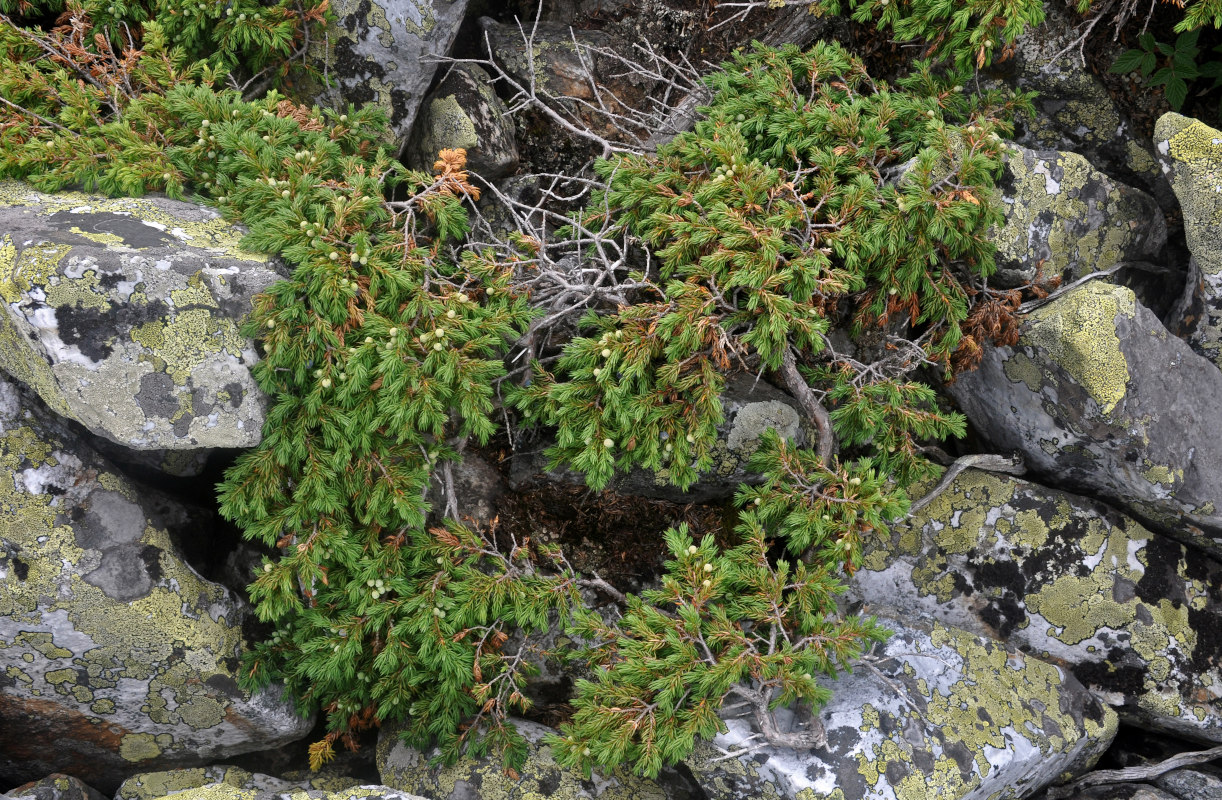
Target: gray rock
(540,777)
(123,315)
(381,52)
(152,785)
(750,407)
(948,715)
(1191,154)
(1100,399)
(1136,617)
(226,791)
(55,787)
(1074,110)
(558,64)
(464,111)
(1123,791)
(1192,783)
(1068,219)
(477,486)
(114,654)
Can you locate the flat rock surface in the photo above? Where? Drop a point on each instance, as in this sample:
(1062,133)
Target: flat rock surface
(1137,617)
(123,315)
(947,715)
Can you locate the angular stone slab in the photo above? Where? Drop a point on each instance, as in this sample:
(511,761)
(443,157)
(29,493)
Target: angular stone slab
(381,52)
(949,715)
(540,777)
(1069,219)
(151,785)
(226,791)
(464,111)
(114,654)
(1136,617)
(55,787)
(1099,398)
(123,315)
(1191,155)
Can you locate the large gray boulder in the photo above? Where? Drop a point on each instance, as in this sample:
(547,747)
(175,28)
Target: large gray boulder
(408,769)
(123,315)
(152,785)
(1067,218)
(1191,154)
(1136,617)
(1074,111)
(384,52)
(944,714)
(114,654)
(1099,398)
(464,112)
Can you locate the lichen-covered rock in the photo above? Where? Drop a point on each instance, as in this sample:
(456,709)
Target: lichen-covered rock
(559,64)
(464,111)
(123,315)
(227,791)
(55,787)
(750,408)
(540,777)
(151,785)
(1192,783)
(948,715)
(382,52)
(1136,617)
(1191,153)
(1075,112)
(114,653)
(1099,398)
(1068,218)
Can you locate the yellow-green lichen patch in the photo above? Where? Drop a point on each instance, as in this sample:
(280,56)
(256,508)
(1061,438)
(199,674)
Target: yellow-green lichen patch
(1078,332)
(1070,216)
(187,340)
(190,224)
(1197,149)
(216,791)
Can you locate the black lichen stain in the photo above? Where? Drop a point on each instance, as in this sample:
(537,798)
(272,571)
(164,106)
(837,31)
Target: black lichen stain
(21,569)
(1112,675)
(92,331)
(127,227)
(151,556)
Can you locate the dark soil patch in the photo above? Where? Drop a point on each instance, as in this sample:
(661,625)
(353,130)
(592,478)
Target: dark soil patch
(618,537)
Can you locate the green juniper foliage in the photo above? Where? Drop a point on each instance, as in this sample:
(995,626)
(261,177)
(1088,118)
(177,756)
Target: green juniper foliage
(810,197)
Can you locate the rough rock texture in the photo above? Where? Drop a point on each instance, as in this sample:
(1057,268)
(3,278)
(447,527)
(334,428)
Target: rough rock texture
(123,315)
(1191,154)
(540,777)
(558,66)
(1068,218)
(477,486)
(381,51)
(1099,398)
(1074,110)
(151,785)
(1123,791)
(464,111)
(113,652)
(957,716)
(1192,783)
(750,407)
(55,787)
(1136,617)
(226,791)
